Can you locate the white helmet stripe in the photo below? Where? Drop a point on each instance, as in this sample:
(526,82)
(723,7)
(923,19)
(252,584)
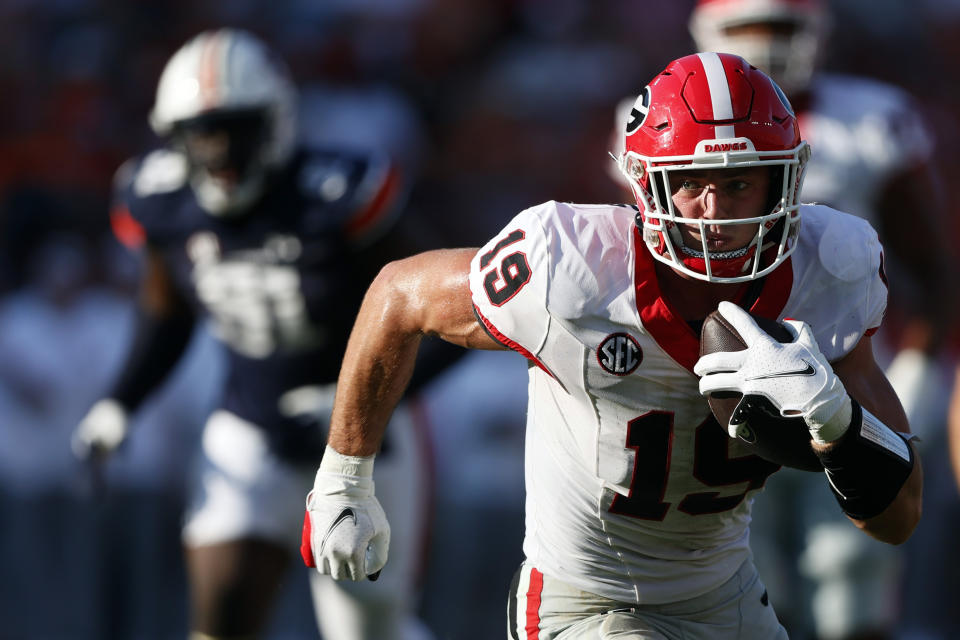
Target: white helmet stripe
(719,92)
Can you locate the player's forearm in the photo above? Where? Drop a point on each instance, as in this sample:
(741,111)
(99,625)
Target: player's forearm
(162,331)
(878,477)
(897,522)
(377,366)
(158,344)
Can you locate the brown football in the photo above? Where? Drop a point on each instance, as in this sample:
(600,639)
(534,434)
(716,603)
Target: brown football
(785,441)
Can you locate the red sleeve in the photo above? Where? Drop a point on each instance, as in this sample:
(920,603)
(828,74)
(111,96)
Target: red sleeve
(127,230)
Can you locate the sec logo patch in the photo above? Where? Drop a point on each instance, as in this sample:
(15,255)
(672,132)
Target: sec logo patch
(619,354)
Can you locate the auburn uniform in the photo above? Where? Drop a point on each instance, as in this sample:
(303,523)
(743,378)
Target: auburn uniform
(634,493)
(280,286)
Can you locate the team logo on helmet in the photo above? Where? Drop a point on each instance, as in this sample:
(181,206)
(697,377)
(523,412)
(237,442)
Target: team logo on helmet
(638,114)
(619,354)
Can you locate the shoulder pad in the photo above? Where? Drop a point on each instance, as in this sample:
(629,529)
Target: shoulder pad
(146,191)
(365,188)
(848,249)
(160,171)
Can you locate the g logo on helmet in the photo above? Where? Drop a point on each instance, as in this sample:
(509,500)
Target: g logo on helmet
(638,114)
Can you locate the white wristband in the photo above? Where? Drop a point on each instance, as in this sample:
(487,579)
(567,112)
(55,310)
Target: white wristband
(335,462)
(837,425)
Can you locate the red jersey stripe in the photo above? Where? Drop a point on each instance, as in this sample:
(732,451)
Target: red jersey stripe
(672,332)
(534,592)
(507,342)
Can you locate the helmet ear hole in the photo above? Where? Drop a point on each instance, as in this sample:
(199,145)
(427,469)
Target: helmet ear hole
(633,167)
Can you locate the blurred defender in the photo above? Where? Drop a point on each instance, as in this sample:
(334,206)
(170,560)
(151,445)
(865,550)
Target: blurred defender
(274,244)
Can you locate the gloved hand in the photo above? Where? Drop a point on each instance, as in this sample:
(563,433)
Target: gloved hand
(345,531)
(101,431)
(794,376)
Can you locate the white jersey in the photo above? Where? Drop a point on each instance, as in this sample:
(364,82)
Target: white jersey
(634,492)
(862,133)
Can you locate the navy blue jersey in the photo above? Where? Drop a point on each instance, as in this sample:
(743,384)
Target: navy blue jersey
(280,284)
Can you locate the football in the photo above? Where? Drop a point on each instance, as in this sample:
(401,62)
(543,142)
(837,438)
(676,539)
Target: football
(785,441)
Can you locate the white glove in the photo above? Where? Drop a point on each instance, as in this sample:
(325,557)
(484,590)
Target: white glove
(345,532)
(794,376)
(101,431)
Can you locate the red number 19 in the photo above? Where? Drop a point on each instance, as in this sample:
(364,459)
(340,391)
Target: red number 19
(651,437)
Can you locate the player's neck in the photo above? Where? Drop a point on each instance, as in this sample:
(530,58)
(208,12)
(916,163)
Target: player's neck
(690,298)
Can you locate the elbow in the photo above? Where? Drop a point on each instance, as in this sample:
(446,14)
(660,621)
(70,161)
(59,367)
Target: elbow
(901,531)
(911,497)
(893,527)
(394,295)
(909,529)
(902,527)
(910,515)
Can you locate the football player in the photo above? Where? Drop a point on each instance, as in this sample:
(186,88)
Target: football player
(273,244)
(637,501)
(872,157)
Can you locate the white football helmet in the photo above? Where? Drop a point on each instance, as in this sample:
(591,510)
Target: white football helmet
(787,51)
(230,106)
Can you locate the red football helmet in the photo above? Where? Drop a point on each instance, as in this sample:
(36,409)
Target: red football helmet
(714,111)
(787,52)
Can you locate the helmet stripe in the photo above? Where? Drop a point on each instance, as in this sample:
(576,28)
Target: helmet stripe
(209,70)
(719,92)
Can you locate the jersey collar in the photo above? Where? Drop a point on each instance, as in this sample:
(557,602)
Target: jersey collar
(669,330)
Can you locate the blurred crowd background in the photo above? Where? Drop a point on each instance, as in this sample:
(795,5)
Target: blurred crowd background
(491,106)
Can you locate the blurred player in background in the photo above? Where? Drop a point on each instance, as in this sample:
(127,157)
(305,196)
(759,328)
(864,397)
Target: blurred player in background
(274,243)
(871,156)
(637,501)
